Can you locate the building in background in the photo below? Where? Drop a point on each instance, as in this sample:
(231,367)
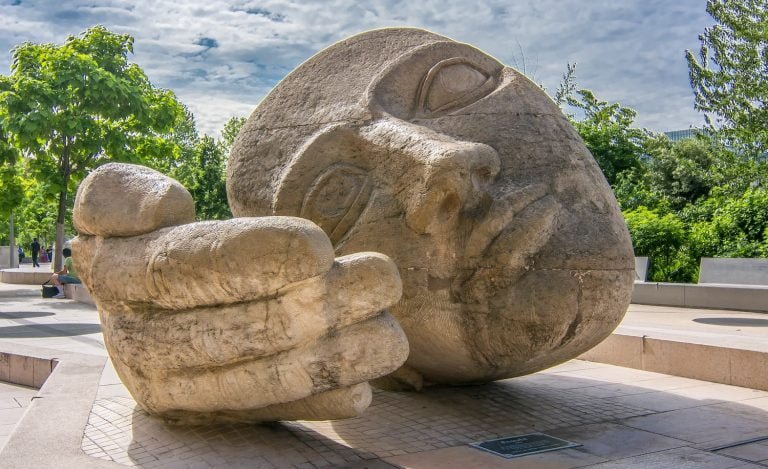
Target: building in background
(677,135)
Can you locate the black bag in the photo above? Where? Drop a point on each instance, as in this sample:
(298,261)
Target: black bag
(49,291)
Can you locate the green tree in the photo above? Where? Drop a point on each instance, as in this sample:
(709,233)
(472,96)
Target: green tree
(36,216)
(567,85)
(684,171)
(185,138)
(202,169)
(10,175)
(730,76)
(204,175)
(230,131)
(70,107)
(608,133)
(661,238)
(633,190)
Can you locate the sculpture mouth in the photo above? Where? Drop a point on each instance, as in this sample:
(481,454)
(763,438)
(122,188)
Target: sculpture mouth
(501,248)
(510,213)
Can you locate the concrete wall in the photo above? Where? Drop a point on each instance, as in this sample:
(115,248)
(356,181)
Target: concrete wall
(734,271)
(724,283)
(690,295)
(27,371)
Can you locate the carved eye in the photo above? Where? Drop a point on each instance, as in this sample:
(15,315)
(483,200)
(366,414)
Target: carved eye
(336,199)
(452,84)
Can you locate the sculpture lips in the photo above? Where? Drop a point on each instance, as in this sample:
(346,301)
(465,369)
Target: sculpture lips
(501,215)
(500,247)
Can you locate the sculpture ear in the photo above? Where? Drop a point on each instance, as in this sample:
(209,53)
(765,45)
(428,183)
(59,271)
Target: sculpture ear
(327,182)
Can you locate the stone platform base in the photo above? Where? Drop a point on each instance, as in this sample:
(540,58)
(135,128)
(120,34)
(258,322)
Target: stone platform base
(25,276)
(78,293)
(716,364)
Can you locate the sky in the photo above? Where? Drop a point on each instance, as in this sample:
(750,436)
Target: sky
(221,57)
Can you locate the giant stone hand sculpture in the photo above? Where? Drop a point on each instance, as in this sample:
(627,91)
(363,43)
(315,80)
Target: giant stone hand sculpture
(241,320)
(513,254)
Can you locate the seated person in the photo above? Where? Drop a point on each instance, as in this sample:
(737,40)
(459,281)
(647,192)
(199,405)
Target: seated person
(66,275)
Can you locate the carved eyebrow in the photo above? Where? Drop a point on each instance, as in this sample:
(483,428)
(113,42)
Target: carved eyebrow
(461,98)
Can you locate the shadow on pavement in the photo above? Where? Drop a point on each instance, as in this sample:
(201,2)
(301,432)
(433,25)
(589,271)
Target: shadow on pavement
(25,314)
(8,295)
(48,330)
(745,322)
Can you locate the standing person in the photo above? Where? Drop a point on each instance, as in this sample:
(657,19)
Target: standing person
(35,252)
(49,251)
(21,255)
(43,255)
(66,275)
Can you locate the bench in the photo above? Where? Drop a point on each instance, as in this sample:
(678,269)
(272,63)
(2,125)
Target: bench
(78,292)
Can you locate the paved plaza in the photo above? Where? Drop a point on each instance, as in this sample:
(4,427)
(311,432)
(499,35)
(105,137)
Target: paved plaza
(621,417)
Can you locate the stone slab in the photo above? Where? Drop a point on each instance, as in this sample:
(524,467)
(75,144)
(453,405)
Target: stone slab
(641,269)
(56,420)
(719,296)
(716,364)
(79,293)
(734,271)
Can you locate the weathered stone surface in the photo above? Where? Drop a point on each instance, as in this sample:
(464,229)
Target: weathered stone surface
(241,320)
(100,209)
(512,250)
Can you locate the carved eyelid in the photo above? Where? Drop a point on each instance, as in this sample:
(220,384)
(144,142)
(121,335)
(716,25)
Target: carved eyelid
(463,100)
(337,216)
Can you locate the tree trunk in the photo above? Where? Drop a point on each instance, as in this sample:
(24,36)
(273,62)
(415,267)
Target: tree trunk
(57,256)
(12,238)
(58,262)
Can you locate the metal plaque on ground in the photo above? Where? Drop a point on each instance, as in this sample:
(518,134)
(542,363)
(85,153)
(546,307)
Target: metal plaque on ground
(522,445)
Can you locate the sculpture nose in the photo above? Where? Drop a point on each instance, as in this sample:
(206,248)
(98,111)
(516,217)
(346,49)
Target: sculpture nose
(436,177)
(456,177)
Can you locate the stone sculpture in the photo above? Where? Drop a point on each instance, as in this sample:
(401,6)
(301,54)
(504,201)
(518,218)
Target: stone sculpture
(511,249)
(248,319)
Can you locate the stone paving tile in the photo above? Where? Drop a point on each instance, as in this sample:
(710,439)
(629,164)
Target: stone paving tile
(11,416)
(678,458)
(706,426)
(13,402)
(396,424)
(754,452)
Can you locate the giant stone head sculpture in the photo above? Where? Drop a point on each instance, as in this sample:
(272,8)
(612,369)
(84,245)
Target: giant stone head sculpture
(510,245)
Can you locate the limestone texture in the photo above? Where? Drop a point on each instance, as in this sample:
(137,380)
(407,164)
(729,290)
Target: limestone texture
(248,319)
(511,248)
(502,249)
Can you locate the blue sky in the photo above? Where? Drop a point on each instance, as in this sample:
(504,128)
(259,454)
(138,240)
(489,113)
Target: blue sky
(222,56)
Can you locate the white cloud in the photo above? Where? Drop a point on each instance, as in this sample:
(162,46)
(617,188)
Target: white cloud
(630,51)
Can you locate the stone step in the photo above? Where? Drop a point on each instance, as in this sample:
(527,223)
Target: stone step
(718,346)
(79,293)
